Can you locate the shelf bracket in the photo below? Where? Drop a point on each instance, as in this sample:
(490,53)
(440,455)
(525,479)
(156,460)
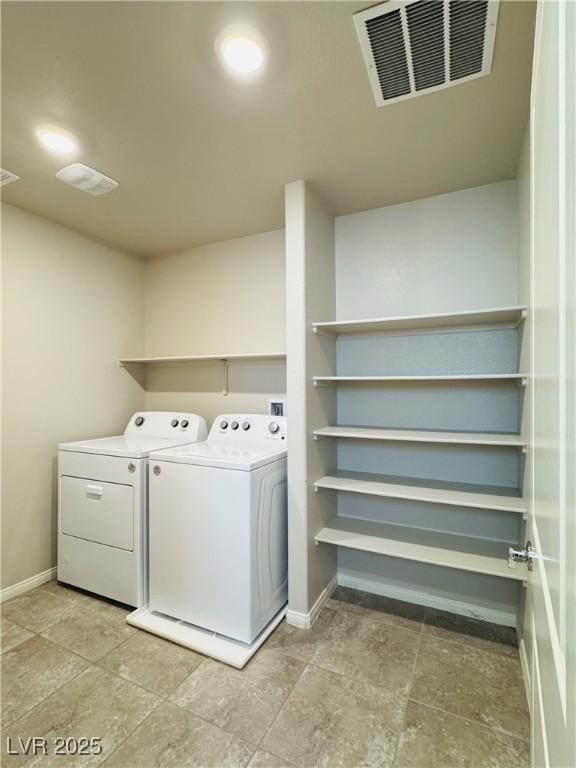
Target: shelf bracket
(318,332)
(224,377)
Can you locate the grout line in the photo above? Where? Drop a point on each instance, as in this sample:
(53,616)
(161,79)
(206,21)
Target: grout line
(411,685)
(267,731)
(468,720)
(10,723)
(132,732)
(375,615)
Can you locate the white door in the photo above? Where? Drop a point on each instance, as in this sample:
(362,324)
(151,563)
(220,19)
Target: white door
(552,589)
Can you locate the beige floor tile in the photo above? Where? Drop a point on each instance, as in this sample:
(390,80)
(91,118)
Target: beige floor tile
(94,704)
(330,720)
(36,610)
(68,593)
(244,702)
(172,737)
(31,672)
(300,643)
(12,635)
(263,759)
(93,632)
(437,740)
(396,612)
(473,632)
(366,649)
(474,684)
(151,662)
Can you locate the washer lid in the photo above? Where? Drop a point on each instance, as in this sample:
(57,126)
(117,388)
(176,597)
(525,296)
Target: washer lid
(224,456)
(124,446)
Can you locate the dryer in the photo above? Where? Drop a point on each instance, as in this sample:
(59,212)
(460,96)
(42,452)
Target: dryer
(103,501)
(218,578)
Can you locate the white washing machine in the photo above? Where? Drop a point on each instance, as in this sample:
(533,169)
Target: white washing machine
(218,578)
(102,504)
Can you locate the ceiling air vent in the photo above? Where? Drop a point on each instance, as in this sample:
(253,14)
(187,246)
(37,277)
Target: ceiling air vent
(412,47)
(86,179)
(6,177)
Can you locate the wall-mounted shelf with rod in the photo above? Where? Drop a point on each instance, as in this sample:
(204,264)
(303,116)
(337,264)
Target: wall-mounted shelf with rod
(202,358)
(424,546)
(464,378)
(432,493)
(183,359)
(423,436)
(510,316)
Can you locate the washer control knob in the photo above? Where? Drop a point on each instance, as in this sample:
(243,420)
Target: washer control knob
(174,423)
(273,427)
(131,467)
(184,423)
(223,425)
(234,425)
(156,470)
(139,421)
(245,426)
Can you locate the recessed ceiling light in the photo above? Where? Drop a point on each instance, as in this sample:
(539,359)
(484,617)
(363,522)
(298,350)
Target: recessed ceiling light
(242,54)
(56,140)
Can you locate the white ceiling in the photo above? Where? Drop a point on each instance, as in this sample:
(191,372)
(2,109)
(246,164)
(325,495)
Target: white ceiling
(202,158)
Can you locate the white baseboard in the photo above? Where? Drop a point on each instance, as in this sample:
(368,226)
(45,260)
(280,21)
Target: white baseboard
(526,672)
(28,584)
(306,620)
(504,618)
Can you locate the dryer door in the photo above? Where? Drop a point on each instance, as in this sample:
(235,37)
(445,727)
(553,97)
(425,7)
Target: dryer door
(97,511)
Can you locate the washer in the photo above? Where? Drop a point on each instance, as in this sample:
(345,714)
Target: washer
(102,504)
(218,579)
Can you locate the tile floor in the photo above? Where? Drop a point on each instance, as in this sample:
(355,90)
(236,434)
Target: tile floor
(376,682)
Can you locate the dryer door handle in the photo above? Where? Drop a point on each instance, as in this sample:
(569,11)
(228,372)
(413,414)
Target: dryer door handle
(94,490)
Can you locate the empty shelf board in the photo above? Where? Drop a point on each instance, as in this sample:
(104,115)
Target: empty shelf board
(458,378)
(423,436)
(498,315)
(437,492)
(446,550)
(202,358)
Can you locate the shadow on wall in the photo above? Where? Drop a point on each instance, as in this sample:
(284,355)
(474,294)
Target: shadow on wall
(208,376)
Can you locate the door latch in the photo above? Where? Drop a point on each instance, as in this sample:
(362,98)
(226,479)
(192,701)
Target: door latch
(525,555)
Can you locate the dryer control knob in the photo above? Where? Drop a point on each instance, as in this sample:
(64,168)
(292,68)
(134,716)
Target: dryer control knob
(234,425)
(223,425)
(184,423)
(174,423)
(273,427)
(245,426)
(139,421)
(156,470)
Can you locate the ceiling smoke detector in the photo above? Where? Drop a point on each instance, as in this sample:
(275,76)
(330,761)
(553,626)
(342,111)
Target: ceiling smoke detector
(7,178)
(413,47)
(87,179)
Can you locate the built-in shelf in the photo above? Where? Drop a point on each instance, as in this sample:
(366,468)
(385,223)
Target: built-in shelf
(431,492)
(464,378)
(423,436)
(202,358)
(496,316)
(424,546)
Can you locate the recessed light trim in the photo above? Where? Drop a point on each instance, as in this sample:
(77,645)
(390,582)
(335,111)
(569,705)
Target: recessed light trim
(242,54)
(242,50)
(56,140)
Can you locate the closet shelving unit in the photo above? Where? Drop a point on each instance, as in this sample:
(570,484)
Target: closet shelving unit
(477,555)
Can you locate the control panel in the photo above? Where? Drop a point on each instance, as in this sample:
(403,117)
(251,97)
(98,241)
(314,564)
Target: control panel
(248,427)
(166,424)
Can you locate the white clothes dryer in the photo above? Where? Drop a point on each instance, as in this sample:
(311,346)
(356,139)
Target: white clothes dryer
(103,500)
